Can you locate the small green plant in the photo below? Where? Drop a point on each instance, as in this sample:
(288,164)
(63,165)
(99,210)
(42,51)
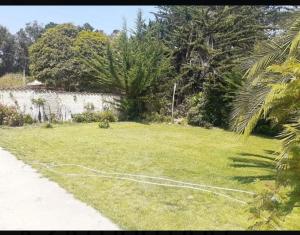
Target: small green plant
(89,107)
(48,125)
(40,102)
(28,119)
(267,209)
(104,124)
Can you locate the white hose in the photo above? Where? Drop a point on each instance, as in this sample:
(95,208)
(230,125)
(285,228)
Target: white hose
(107,175)
(154,177)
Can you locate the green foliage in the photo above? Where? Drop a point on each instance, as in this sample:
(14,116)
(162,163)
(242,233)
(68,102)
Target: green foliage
(267,128)
(24,38)
(90,116)
(131,67)
(10,116)
(86,44)
(52,58)
(28,119)
(208,43)
(196,113)
(85,117)
(265,210)
(39,101)
(48,125)
(271,91)
(89,107)
(107,115)
(155,117)
(7,48)
(104,124)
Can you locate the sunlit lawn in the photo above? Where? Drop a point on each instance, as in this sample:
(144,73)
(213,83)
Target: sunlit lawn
(203,156)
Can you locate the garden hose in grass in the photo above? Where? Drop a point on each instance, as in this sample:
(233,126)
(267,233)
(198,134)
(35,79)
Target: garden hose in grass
(126,176)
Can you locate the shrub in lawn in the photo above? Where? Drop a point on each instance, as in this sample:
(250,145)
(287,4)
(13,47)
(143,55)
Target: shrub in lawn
(28,119)
(48,125)
(104,124)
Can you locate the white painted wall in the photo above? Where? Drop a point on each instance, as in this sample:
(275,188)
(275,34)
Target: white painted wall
(62,104)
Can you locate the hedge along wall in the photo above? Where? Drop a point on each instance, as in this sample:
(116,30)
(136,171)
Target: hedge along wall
(60,104)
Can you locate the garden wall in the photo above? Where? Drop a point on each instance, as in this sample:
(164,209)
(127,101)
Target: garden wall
(60,104)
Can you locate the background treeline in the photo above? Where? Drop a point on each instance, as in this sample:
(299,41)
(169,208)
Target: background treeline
(205,50)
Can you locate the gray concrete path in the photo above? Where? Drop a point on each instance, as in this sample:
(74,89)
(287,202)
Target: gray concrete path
(30,202)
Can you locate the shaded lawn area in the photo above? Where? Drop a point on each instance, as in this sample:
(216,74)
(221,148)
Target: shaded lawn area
(213,157)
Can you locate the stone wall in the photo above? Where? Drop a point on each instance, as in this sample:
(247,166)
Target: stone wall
(60,104)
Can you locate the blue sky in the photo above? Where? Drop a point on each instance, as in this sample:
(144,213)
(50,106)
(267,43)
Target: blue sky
(106,18)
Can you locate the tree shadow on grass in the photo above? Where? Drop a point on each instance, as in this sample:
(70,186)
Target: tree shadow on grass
(290,177)
(249,160)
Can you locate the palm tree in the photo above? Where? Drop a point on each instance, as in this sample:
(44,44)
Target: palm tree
(271,89)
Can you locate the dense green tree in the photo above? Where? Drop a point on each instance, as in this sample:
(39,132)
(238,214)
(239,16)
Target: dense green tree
(208,43)
(7,51)
(53,60)
(272,71)
(86,27)
(131,68)
(86,45)
(271,90)
(50,25)
(24,39)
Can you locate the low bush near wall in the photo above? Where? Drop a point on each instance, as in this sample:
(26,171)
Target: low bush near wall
(95,116)
(9,116)
(155,117)
(28,119)
(107,115)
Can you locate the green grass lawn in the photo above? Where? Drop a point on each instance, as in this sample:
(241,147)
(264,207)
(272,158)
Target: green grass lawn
(213,157)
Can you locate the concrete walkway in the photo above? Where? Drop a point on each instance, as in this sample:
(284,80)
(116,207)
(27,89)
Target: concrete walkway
(29,202)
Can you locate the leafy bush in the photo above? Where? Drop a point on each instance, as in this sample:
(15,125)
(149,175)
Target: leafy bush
(104,124)
(48,125)
(53,118)
(28,119)
(155,117)
(89,107)
(95,116)
(107,115)
(85,117)
(181,121)
(196,115)
(2,113)
(9,116)
(265,127)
